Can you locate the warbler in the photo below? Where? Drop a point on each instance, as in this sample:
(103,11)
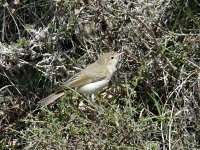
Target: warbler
(90,80)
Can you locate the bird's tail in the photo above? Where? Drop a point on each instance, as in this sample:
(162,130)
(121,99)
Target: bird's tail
(50,99)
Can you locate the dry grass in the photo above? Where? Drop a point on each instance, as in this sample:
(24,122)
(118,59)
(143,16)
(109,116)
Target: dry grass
(153,101)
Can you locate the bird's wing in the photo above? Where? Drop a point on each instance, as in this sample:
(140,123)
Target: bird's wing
(88,75)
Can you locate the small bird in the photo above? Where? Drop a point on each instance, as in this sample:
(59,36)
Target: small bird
(90,80)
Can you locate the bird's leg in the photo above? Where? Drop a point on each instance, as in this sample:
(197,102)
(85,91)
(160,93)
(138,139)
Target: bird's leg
(87,98)
(90,99)
(93,97)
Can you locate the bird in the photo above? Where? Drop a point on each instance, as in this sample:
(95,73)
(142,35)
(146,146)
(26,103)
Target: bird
(90,80)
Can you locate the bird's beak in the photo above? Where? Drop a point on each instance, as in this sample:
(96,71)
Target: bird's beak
(120,54)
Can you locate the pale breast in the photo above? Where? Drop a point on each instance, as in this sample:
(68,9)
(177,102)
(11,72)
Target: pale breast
(93,87)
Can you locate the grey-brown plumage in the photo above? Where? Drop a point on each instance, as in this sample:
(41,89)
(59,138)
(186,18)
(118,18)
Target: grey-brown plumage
(90,80)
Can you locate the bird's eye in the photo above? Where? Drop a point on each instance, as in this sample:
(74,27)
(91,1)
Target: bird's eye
(112,57)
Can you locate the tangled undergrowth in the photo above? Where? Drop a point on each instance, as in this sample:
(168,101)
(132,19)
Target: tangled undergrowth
(153,101)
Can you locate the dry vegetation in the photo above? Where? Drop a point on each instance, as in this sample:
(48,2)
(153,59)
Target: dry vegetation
(153,101)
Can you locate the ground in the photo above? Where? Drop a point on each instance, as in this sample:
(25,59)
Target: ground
(152,101)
